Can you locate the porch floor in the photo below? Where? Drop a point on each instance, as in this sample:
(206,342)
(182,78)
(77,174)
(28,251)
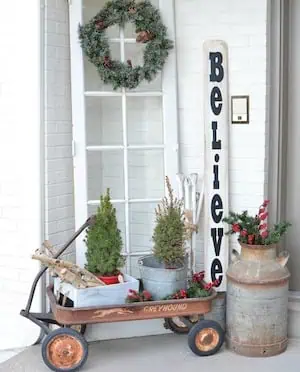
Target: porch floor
(160,354)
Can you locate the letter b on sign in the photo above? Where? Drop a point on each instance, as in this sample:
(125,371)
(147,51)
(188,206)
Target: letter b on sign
(216,68)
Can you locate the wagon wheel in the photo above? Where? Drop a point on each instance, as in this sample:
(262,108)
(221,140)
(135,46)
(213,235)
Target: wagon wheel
(206,338)
(64,350)
(177,326)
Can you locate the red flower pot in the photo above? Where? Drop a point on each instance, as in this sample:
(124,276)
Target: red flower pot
(109,279)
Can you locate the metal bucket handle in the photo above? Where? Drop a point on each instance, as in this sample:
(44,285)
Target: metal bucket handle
(283,258)
(235,256)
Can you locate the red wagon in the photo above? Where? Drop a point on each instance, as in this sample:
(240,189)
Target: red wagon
(65,349)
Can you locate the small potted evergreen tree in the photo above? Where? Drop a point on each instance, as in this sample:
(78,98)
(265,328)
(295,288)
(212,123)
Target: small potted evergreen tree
(104,259)
(165,271)
(104,243)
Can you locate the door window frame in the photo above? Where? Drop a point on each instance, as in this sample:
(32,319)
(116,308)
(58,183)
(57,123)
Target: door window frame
(80,148)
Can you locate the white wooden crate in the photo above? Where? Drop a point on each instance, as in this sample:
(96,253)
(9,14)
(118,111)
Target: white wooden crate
(113,294)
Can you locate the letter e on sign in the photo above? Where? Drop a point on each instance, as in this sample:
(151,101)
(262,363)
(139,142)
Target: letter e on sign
(216,110)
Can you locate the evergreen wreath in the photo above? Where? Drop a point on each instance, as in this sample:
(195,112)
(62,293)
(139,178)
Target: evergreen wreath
(149,29)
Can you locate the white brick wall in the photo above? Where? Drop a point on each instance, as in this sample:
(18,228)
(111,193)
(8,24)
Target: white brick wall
(59,196)
(242,24)
(20,215)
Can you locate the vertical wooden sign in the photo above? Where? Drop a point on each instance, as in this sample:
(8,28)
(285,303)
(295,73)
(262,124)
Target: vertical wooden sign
(216,109)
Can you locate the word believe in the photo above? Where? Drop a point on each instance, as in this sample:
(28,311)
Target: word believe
(216,205)
(216,161)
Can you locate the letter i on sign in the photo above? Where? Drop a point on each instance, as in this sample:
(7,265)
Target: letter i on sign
(216,109)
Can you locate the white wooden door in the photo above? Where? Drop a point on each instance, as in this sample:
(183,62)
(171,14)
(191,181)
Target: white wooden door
(123,140)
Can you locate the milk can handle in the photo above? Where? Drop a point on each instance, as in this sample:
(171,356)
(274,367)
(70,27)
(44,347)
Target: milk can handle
(235,256)
(283,258)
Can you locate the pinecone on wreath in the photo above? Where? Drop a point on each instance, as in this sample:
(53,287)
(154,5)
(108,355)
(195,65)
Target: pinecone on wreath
(132,10)
(144,37)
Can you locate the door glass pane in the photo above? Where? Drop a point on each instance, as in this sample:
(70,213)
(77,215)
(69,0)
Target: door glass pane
(104,121)
(146,173)
(90,8)
(144,120)
(93,81)
(134,266)
(135,52)
(142,222)
(105,170)
(129,31)
(120,213)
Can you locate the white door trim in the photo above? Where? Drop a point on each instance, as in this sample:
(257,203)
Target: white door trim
(278,20)
(78,121)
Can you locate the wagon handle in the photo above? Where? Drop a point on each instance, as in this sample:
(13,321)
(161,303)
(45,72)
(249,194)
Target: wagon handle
(89,222)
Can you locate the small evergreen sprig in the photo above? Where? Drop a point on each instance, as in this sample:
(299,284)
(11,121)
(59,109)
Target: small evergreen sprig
(197,288)
(255,230)
(103,240)
(170,231)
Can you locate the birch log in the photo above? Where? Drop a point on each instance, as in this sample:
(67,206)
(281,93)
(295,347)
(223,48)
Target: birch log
(69,272)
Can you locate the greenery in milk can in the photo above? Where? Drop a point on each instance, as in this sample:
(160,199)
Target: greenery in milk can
(170,231)
(150,31)
(104,241)
(255,229)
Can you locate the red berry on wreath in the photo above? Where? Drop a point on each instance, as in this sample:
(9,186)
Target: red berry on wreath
(107,62)
(99,25)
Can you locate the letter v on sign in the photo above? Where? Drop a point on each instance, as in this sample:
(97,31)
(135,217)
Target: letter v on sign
(216,111)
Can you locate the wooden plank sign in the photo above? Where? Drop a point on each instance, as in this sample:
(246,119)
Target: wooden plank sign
(216,104)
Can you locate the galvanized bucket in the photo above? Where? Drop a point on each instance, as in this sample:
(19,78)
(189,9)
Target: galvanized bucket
(158,280)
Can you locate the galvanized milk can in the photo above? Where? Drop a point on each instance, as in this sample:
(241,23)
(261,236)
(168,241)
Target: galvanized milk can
(257,301)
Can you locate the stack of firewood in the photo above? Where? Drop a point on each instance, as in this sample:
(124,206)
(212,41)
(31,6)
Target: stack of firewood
(65,270)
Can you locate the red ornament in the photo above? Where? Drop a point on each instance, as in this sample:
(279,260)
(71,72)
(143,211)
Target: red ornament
(244,233)
(251,238)
(262,226)
(208,286)
(182,293)
(147,295)
(236,227)
(198,277)
(266,203)
(216,283)
(264,234)
(264,216)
